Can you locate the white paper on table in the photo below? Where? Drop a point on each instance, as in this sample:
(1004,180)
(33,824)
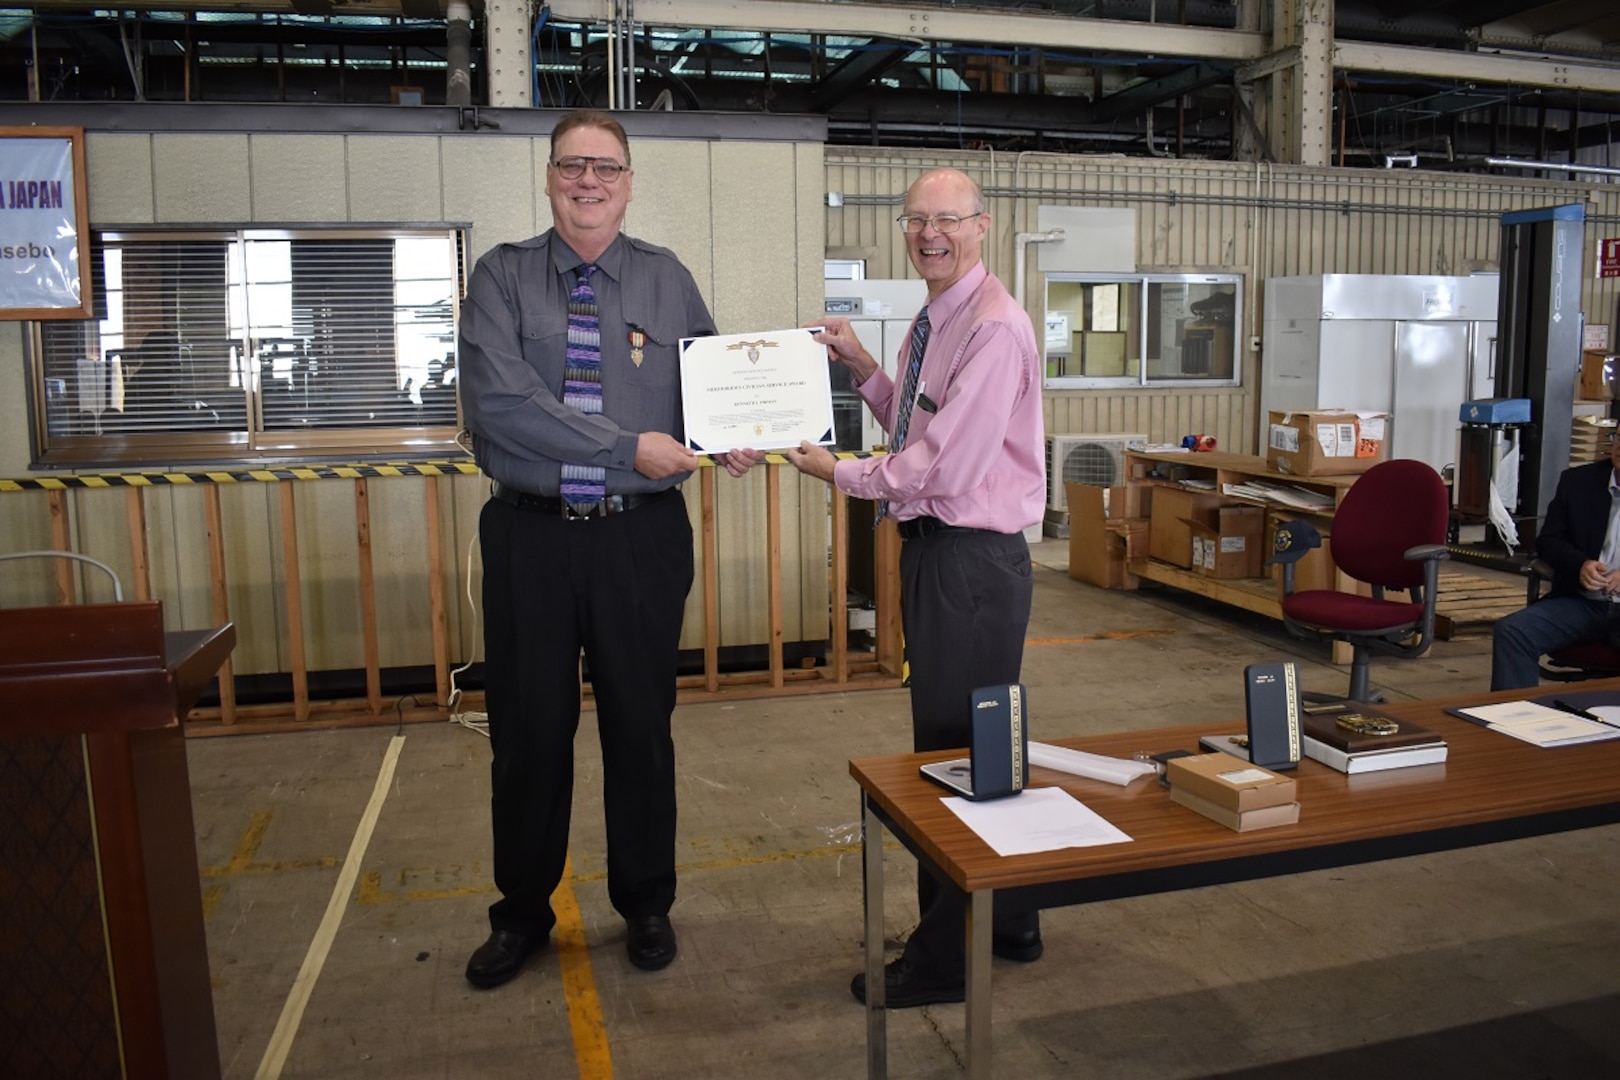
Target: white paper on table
(1541,724)
(1114,770)
(1036,819)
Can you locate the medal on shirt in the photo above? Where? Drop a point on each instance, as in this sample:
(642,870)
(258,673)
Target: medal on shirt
(637,341)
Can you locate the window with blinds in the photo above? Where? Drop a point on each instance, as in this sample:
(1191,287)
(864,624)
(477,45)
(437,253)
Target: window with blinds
(256,344)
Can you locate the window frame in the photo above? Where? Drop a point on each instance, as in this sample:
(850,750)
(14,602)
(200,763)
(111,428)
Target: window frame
(254,442)
(1142,282)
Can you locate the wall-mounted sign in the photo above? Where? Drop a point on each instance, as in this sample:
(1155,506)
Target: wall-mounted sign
(44,224)
(1609,257)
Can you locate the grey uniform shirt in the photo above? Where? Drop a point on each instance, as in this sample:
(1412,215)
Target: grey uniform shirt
(514,336)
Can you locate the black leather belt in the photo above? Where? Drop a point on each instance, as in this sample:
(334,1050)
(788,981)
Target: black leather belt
(918,527)
(551,504)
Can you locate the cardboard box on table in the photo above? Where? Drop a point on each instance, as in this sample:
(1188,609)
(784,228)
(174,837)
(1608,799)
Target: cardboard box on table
(1231,545)
(1597,375)
(1170,531)
(1325,442)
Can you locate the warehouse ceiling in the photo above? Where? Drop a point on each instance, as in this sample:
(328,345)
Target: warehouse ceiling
(1442,83)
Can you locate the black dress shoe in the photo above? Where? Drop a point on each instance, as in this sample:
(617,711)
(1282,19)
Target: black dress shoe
(652,941)
(1024,947)
(502,957)
(906,987)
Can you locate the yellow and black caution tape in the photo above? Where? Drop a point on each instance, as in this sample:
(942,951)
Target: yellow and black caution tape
(276,473)
(240,475)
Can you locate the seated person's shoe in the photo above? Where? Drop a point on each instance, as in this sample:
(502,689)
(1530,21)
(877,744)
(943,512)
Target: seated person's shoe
(501,957)
(1025,947)
(652,941)
(906,987)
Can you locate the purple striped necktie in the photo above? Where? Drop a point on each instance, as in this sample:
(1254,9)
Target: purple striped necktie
(583,485)
(908,396)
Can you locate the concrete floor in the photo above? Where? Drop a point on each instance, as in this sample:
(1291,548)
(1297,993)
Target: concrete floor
(1501,961)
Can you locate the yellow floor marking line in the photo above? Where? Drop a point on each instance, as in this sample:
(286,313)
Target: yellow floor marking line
(371,889)
(242,859)
(281,1040)
(591,1054)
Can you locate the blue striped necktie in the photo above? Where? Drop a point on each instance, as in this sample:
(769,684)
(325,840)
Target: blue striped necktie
(583,485)
(908,395)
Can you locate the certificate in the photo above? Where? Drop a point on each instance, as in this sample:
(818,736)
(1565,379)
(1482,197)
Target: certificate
(763,391)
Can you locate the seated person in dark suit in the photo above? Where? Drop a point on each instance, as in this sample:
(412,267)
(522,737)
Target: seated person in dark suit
(1581,540)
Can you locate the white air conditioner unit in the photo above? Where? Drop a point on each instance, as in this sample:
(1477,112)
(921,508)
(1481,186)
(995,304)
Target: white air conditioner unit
(1098,460)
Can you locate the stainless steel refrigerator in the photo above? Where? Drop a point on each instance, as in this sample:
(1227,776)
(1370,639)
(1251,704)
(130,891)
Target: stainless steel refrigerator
(1413,346)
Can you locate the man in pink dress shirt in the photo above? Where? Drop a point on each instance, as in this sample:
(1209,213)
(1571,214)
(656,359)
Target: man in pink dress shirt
(967,478)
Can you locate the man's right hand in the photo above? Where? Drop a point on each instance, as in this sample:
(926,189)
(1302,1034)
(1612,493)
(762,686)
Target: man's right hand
(845,347)
(1595,577)
(658,455)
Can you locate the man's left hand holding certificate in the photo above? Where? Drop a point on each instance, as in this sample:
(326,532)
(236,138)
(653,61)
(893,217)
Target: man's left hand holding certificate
(764,391)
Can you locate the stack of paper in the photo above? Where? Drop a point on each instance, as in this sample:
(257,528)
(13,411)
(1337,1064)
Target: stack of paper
(1291,495)
(1540,724)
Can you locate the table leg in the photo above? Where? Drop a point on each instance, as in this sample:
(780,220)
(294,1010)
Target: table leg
(978,984)
(877,1038)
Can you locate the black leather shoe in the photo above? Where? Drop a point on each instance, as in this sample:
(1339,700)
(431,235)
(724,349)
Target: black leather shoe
(906,987)
(502,957)
(652,941)
(1025,947)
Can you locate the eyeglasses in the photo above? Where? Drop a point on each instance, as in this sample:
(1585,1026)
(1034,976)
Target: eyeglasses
(606,169)
(942,223)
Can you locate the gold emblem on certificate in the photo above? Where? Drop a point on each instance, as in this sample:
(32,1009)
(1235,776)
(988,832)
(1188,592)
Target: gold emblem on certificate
(753,348)
(638,341)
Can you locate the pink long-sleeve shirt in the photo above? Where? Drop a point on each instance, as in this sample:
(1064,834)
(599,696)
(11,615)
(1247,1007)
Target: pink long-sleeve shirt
(979,461)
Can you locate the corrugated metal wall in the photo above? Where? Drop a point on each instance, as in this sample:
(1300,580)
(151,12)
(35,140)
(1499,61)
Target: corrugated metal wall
(1260,221)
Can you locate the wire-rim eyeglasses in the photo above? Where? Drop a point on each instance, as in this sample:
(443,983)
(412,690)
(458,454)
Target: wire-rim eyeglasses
(606,169)
(942,223)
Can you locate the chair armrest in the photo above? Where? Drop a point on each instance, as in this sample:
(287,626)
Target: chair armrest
(1538,573)
(1426,551)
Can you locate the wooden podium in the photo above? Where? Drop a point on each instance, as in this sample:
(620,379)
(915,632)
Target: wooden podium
(101,927)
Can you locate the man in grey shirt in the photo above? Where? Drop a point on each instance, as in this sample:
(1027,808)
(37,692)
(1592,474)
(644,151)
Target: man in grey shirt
(570,383)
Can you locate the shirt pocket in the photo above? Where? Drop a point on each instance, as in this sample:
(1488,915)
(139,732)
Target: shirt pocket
(544,335)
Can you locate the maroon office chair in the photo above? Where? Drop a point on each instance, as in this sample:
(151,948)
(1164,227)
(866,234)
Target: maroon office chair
(1593,659)
(1390,532)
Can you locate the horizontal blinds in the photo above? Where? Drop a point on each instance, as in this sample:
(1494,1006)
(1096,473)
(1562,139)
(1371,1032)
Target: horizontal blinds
(253,337)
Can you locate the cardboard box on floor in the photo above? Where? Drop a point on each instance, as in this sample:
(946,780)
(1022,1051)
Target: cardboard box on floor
(1231,546)
(1169,531)
(1097,553)
(1325,442)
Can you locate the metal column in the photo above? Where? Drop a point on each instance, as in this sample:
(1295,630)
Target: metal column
(1538,317)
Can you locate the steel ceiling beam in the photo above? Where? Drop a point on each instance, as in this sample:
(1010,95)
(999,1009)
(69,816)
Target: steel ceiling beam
(923,23)
(1143,96)
(1476,67)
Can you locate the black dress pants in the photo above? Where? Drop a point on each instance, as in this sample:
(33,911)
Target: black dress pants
(965,598)
(613,588)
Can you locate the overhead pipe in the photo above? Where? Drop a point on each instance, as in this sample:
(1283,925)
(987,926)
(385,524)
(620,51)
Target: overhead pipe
(1021,241)
(1514,163)
(458,55)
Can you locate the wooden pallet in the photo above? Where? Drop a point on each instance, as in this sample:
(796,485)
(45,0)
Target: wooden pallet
(1468,603)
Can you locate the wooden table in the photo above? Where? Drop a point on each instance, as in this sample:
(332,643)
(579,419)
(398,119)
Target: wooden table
(1492,788)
